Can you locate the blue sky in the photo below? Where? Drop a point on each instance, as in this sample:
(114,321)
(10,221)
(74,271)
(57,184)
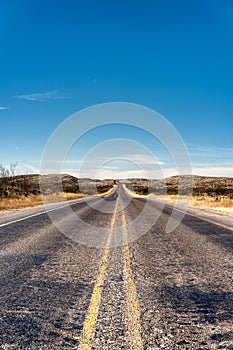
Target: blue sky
(58,57)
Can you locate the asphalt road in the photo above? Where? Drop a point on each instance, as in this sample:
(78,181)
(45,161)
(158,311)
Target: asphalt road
(130,287)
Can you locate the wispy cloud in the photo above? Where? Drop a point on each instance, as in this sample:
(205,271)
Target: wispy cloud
(215,161)
(24,168)
(3,108)
(214,171)
(44,96)
(211,153)
(129,165)
(212,161)
(146,159)
(93,82)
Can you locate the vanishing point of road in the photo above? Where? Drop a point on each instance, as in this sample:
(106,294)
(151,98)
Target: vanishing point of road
(158,291)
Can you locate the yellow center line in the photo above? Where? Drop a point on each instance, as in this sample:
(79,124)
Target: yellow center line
(93,309)
(134,318)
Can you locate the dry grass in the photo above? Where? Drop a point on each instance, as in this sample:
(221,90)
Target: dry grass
(107,192)
(70,196)
(214,193)
(24,191)
(32,201)
(221,203)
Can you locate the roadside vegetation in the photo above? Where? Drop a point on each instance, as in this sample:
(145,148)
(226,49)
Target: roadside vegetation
(207,193)
(221,203)
(20,191)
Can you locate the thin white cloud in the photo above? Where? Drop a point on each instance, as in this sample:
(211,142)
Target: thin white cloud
(211,152)
(94,81)
(32,168)
(3,108)
(110,174)
(146,159)
(43,96)
(25,168)
(132,165)
(116,172)
(214,171)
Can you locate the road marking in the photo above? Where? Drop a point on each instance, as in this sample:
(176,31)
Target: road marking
(132,194)
(108,193)
(33,215)
(203,219)
(43,212)
(134,318)
(93,309)
(187,213)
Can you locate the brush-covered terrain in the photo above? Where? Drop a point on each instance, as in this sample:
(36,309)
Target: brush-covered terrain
(24,190)
(200,185)
(203,191)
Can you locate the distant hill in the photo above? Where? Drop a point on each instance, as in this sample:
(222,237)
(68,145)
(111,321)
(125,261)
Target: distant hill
(26,185)
(212,186)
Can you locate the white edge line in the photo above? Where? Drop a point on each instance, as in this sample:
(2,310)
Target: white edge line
(194,216)
(181,211)
(44,212)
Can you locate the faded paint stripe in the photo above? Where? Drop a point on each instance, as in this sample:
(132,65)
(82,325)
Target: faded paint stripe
(134,318)
(93,309)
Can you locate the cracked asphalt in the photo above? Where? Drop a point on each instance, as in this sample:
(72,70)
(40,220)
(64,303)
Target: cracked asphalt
(155,290)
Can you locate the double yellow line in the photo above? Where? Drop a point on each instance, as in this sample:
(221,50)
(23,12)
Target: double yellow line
(134,326)
(134,323)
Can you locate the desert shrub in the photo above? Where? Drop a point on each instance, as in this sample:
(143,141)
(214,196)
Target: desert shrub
(230,195)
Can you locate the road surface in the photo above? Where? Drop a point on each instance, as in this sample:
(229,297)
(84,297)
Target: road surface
(155,290)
